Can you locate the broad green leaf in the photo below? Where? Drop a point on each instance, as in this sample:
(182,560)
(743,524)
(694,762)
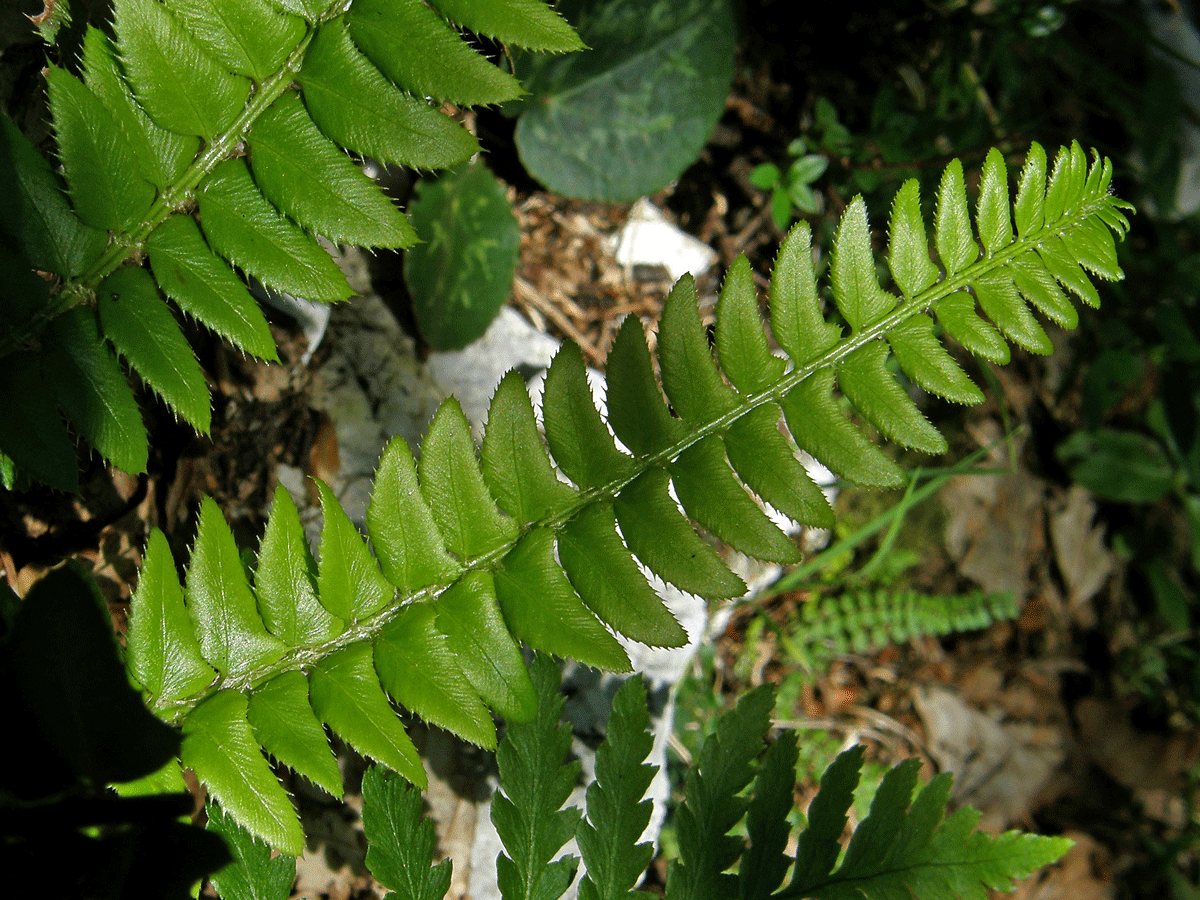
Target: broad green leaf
(462,271)
(712,496)
(1122,466)
(93,391)
(690,377)
(308,177)
(220,747)
(908,250)
(67,690)
(712,805)
(923,359)
(205,287)
(623,119)
(763,459)
(407,542)
(143,330)
(609,581)
(162,652)
(956,245)
(401,840)
(617,808)
(515,465)
(417,666)
(865,380)
(285,580)
(453,486)
(637,410)
(253,874)
(165,64)
(536,781)
(531,24)
(765,861)
(1038,286)
(824,431)
(97,160)
(663,539)
(741,344)
(956,314)
(346,695)
(161,155)
(34,209)
(796,319)
(284,723)
(222,606)
(249,232)
(542,609)
(856,290)
(250,37)
(347,98)
(470,618)
(999,300)
(349,583)
(580,441)
(445,69)
(993,217)
(1031,193)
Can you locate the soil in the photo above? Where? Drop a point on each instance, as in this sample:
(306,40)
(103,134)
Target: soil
(1069,752)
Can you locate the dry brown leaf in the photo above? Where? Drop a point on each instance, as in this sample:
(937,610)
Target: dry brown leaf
(1079,551)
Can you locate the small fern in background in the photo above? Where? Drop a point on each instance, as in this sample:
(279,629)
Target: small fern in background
(832,625)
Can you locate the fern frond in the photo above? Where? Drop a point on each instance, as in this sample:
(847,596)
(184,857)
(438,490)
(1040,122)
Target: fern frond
(243,112)
(537,781)
(865,621)
(905,847)
(475,554)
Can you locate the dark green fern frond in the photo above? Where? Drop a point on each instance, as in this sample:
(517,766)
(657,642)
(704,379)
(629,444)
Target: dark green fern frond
(906,846)
(241,112)
(477,552)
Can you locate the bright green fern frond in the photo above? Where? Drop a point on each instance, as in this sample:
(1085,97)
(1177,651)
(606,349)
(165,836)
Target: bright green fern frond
(242,113)
(477,552)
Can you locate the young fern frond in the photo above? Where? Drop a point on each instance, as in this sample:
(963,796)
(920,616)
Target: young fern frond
(475,555)
(210,140)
